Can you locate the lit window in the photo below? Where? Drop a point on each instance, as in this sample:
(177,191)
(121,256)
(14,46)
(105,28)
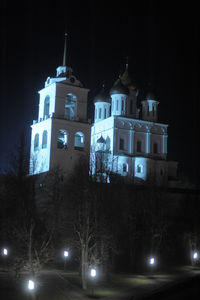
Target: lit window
(70,106)
(44,139)
(79,141)
(46,107)
(121,144)
(139,146)
(62,139)
(140,168)
(36,142)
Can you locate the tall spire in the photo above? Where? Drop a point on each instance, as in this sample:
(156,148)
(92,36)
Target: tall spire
(65,50)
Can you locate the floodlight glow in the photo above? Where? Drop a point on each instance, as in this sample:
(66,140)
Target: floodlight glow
(31,285)
(93,273)
(5,251)
(66,253)
(152,261)
(195,255)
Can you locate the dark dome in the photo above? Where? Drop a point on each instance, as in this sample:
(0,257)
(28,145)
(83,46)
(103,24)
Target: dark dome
(103,96)
(101,140)
(150,96)
(119,88)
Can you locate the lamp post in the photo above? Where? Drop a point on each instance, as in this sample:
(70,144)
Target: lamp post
(66,255)
(93,274)
(5,255)
(5,252)
(152,263)
(31,287)
(195,257)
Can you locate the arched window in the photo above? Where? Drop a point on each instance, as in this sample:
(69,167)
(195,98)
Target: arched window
(153,110)
(139,146)
(70,106)
(44,139)
(36,142)
(79,141)
(107,143)
(155,148)
(131,107)
(121,144)
(125,168)
(99,113)
(140,168)
(46,107)
(62,139)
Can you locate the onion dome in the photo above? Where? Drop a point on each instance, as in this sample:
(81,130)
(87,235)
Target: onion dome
(103,96)
(127,80)
(150,96)
(101,140)
(119,88)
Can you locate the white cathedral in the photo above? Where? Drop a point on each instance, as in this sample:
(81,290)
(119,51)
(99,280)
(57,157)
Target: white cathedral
(122,140)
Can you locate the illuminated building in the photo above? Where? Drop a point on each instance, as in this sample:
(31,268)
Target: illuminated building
(123,139)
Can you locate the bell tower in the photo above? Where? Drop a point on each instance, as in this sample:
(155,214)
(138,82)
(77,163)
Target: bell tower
(61,133)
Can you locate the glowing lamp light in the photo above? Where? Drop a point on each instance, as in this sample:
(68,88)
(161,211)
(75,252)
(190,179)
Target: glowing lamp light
(66,253)
(5,251)
(152,261)
(195,255)
(93,273)
(31,285)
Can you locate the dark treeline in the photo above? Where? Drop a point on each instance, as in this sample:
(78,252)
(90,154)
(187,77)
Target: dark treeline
(113,227)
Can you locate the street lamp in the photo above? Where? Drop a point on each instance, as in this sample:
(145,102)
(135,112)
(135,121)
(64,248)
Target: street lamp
(31,287)
(195,255)
(66,255)
(5,252)
(93,273)
(152,261)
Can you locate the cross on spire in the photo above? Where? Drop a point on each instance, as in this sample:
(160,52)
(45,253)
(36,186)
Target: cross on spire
(65,50)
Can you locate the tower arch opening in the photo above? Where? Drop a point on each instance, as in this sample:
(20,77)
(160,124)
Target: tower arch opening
(36,142)
(70,106)
(46,107)
(44,139)
(79,140)
(62,139)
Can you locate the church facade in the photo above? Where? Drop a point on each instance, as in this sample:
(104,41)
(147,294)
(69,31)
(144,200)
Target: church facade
(122,140)
(128,141)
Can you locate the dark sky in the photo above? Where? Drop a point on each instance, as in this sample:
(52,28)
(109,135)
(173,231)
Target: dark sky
(159,37)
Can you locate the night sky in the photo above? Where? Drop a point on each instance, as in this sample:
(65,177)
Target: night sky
(159,38)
